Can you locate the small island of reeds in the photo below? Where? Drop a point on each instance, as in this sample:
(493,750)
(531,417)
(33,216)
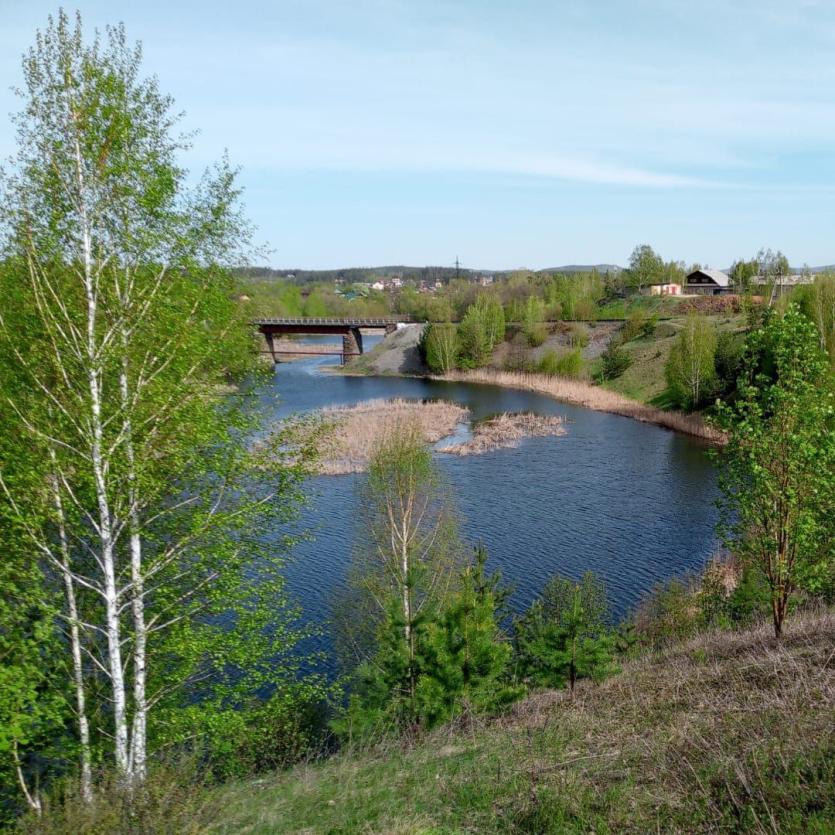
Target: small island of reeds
(342,438)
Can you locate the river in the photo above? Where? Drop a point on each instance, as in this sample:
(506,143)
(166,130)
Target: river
(630,501)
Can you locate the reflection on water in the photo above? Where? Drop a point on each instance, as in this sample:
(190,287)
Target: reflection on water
(629,501)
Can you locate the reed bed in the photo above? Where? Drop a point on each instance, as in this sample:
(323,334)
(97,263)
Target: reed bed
(506,430)
(591,397)
(351,432)
(341,439)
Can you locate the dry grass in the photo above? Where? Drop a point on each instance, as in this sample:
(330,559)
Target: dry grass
(506,430)
(727,732)
(591,397)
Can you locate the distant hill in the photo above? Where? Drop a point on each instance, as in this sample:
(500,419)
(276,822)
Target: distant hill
(429,273)
(583,268)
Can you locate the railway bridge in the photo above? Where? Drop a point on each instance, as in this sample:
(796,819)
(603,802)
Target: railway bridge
(349,328)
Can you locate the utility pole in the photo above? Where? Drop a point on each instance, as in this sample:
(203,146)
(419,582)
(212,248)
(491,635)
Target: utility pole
(457,268)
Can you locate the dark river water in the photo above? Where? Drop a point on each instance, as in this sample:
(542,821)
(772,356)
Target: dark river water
(629,501)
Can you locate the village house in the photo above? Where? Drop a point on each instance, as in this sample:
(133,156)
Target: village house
(706,282)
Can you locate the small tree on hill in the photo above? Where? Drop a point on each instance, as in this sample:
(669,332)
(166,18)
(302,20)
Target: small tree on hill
(690,369)
(441,347)
(401,577)
(565,634)
(473,341)
(778,467)
(464,657)
(645,267)
(493,315)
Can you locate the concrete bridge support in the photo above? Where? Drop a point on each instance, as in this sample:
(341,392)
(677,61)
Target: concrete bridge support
(351,344)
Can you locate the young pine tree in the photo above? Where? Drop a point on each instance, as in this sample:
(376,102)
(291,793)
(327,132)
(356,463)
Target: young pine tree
(565,634)
(464,656)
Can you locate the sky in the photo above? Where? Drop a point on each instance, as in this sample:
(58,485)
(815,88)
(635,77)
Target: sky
(531,133)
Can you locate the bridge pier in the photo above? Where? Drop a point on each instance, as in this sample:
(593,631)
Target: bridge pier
(351,344)
(269,337)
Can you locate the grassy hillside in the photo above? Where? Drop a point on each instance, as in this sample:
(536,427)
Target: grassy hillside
(727,732)
(644,379)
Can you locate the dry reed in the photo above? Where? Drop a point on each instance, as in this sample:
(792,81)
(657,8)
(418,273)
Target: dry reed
(591,397)
(506,430)
(352,431)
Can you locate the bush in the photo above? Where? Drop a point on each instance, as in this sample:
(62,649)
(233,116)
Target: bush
(638,324)
(614,361)
(586,310)
(730,348)
(537,334)
(578,335)
(569,364)
(565,635)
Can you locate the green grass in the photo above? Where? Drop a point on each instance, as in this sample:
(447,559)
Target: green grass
(726,732)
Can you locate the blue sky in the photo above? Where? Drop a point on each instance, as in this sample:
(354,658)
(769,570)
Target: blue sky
(526,133)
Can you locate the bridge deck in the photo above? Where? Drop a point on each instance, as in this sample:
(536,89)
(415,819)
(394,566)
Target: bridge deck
(368,322)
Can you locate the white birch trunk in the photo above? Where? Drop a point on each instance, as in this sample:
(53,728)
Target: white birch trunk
(138,745)
(105,522)
(86,779)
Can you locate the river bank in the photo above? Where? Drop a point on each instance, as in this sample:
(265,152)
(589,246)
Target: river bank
(592,397)
(398,355)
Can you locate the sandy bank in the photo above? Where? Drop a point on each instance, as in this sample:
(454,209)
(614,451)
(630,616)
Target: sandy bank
(591,397)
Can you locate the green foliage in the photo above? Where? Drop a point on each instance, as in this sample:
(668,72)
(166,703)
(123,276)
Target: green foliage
(645,267)
(565,635)
(817,301)
(441,346)
(741,274)
(464,658)
(730,349)
(638,324)
(128,485)
(493,316)
(532,325)
(568,364)
(778,468)
(402,574)
(614,361)
(473,339)
(690,371)
(177,798)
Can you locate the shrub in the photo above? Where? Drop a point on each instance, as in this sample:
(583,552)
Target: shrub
(585,309)
(614,361)
(473,340)
(730,348)
(690,371)
(537,334)
(578,335)
(638,324)
(569,364)
(173,800)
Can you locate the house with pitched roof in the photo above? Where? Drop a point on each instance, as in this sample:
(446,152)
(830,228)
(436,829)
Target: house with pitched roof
(708,283)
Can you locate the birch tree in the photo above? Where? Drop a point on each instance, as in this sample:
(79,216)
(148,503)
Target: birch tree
(777,472)
(690,369)
(121,325)
(403,570)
